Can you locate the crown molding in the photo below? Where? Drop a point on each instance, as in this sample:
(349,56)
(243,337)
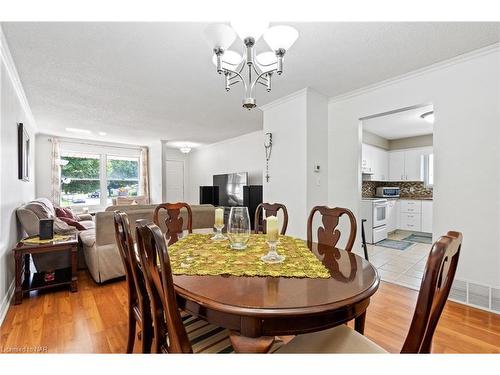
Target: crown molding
(10,67)
(492,48)
(284,99)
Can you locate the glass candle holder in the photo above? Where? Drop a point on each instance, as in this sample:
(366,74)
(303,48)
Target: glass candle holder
(272,256)
(218,236)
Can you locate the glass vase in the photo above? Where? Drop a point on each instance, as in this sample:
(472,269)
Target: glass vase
(238,230)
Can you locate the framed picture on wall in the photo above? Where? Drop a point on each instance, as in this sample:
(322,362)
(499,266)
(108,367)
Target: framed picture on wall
(23,152)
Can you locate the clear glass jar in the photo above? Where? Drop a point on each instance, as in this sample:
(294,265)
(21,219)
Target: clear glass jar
(238,229)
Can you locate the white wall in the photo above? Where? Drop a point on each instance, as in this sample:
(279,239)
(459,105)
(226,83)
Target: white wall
(240,154)
(13,192)
(286,119)
(465,95)
(155,172)
(299,124)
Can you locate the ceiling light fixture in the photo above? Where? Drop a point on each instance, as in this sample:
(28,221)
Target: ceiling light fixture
(259,69)
(428,116)
(78,130)
(102,133)
(185,149)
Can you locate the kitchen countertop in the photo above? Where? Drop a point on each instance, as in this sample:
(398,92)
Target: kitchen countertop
(404,198)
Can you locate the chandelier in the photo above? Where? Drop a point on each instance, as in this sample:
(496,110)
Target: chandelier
(249,69)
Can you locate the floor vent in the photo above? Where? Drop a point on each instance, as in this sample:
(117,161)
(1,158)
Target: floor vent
(476,295)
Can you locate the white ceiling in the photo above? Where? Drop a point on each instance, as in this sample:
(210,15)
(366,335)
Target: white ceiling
(141,82)
(402,124)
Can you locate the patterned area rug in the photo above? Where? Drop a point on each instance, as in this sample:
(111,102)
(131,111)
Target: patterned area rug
(394,244)
(419,237)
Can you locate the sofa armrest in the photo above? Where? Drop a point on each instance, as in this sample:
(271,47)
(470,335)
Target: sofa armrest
(85,217)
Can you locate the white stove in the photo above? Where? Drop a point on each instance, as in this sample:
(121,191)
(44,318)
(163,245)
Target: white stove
(374,211)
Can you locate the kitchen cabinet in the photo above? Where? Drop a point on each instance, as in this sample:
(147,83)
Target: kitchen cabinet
(410,215)
(427,216)
(374,162)
(407,165)
(396,165)
(414,165)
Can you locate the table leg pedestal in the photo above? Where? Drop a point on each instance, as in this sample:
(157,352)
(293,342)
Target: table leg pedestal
(242,344)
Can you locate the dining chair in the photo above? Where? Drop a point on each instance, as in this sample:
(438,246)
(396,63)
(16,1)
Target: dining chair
(328,234)
(139,311)
(434,290)
(173,333)
(270,209)
(174,221)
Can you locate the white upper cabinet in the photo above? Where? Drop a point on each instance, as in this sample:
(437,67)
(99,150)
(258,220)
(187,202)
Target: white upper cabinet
(407,165)
(414,165)
(396,165)
(375,162)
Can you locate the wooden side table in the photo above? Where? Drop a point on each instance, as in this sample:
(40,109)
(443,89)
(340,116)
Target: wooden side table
(36,281)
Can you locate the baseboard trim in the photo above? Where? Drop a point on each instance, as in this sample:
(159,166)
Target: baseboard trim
(6,302)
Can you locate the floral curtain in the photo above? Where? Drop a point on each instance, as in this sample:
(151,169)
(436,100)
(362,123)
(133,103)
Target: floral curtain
(144,174)
(55,179)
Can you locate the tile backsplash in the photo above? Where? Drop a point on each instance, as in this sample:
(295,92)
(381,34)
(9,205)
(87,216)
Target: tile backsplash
(409,189)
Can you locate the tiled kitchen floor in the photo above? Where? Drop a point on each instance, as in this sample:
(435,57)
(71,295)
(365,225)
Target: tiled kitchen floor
(403,267)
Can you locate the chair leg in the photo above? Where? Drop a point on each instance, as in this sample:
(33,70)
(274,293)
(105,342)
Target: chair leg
(131,330)
(147,338)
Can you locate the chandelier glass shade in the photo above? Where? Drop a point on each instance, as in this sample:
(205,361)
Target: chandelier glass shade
(249,70)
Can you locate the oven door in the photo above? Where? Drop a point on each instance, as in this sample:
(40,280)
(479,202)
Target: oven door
(379,214)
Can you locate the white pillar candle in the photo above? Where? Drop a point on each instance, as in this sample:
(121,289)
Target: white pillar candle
(219,217)
(272,228)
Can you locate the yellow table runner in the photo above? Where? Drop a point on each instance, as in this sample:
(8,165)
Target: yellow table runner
(36,240)
(197,254)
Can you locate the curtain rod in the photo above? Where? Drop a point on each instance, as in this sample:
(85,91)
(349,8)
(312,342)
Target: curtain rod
(63,140)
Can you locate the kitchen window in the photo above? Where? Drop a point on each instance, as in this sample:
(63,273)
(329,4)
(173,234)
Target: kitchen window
(429,170)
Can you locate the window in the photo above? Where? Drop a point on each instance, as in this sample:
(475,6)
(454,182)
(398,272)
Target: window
(429,170)
(84,176)
(122,177)
(80,180)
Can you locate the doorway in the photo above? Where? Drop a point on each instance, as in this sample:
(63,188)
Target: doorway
(397,175)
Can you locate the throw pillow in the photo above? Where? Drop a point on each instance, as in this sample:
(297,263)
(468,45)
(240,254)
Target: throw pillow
(73,223)
(134,203)
(60,212)
(70,214)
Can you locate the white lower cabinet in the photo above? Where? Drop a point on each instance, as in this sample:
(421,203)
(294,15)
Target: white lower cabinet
(427,216)
(412,214)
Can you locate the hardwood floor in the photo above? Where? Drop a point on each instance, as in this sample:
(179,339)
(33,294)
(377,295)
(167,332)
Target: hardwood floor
(94,320)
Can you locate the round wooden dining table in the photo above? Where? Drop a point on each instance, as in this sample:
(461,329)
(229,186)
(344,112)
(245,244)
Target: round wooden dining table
(256,309)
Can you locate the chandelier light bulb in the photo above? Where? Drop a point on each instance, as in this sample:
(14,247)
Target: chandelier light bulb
(219,35)
(250,28)
(266,59)
(280,36)
(230,59)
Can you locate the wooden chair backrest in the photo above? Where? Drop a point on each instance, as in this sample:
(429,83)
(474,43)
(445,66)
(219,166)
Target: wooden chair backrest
(135,278)
(174,222)
(328,234)
(160,285)
(271,209)
(436,284)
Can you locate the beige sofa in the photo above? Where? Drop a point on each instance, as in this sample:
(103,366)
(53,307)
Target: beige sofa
(99,245)
(29,216)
